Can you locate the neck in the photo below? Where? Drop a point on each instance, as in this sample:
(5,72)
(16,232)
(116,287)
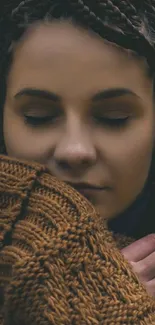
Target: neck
(127,222)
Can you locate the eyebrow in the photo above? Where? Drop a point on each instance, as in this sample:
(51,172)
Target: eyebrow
(105,94)
(45,94)
(112,93)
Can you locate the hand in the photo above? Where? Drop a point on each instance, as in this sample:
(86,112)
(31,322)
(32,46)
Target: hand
(141,255)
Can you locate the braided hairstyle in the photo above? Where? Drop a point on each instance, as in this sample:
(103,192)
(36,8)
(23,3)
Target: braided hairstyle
(128,23)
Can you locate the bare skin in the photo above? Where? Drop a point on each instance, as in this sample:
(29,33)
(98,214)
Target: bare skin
(91,119)
(141,255)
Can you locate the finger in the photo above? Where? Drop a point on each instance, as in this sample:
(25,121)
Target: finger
(150,287)
(145,268)
(140,249)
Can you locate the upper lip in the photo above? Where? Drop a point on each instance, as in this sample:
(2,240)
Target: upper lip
(81,186)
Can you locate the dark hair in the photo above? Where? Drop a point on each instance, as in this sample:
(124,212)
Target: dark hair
(129,24)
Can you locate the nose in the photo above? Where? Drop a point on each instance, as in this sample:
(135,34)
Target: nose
(75,151)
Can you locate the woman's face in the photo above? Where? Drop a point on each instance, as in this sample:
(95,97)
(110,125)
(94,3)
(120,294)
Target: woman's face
(84,109)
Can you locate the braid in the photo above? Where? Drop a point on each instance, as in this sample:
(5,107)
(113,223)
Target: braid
(118,21)
(150,13)
(21,5)
(118,11)
(103,10)
(92,18)
(85,13)
(130,10)
(130,34)
(126,6)
(115,11)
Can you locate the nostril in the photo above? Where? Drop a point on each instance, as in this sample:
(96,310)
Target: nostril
(72,163)
(85,162)
(63,165)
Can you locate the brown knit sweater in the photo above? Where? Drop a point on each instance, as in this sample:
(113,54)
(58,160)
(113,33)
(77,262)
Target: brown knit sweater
(59,265)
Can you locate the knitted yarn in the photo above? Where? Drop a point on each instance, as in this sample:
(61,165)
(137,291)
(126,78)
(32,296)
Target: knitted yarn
(59,264)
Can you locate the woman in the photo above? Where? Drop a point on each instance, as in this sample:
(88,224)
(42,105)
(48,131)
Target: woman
(77,97)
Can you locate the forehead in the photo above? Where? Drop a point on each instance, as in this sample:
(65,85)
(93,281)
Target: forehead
(52,53)
(65,38)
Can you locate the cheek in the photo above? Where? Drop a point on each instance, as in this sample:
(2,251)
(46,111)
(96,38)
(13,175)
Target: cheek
(128,154)
(133,166)
(126,157)
(23,143)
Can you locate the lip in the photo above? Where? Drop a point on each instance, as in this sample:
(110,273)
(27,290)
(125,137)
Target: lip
(83,187)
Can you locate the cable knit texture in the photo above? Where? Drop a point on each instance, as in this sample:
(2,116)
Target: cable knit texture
(59,264)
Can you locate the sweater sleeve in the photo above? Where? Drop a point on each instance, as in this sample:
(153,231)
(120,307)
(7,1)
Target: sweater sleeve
(58,261)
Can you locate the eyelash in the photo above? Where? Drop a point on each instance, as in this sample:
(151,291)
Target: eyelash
(113,122)
(38,121)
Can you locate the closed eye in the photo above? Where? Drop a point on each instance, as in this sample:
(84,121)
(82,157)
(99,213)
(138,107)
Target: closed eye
(113,122)
(38,120)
